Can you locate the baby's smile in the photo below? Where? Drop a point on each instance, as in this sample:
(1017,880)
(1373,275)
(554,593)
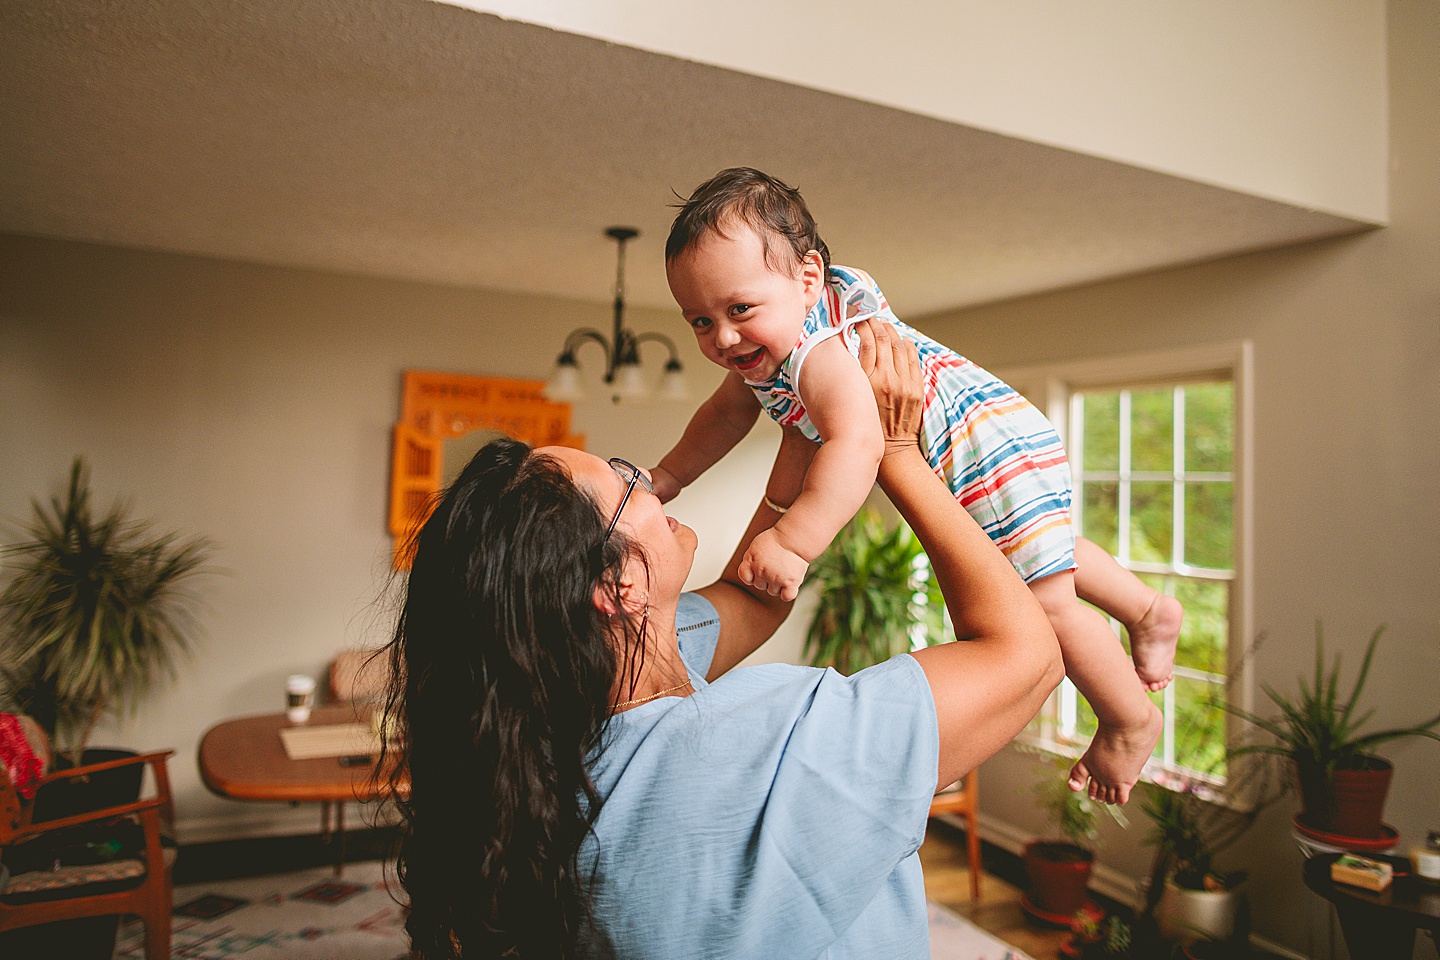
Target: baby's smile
(746,362)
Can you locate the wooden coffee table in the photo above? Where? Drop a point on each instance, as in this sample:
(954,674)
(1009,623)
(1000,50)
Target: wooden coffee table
(244,759)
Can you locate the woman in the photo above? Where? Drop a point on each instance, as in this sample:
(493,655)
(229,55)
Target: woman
(587,775)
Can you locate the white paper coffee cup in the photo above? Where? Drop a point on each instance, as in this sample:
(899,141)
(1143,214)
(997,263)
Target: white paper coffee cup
(299,697)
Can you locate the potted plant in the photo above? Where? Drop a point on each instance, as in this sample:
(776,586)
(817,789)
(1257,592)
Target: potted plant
(1342,784)
(1059,868)
(1189,896)
(93,611)
(875,596)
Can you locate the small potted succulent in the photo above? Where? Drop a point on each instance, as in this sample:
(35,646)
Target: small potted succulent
(1342,783)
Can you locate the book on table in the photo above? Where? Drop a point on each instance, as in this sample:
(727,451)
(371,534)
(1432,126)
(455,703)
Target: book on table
(1362,872)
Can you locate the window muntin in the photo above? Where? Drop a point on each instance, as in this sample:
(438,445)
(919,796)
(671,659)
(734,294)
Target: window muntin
(1154,478)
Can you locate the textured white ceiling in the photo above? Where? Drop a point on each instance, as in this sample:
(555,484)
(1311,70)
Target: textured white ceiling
(410,139)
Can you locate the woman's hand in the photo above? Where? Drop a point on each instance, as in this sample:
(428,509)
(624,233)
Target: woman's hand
(893,366)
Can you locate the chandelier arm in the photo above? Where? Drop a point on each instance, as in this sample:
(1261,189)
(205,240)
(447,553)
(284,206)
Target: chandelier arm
(660,338)
(583,334)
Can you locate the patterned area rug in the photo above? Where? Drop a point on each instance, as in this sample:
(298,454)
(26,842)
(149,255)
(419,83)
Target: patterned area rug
(311,915)
(952,937)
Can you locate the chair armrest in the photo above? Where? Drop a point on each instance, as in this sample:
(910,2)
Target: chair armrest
(107,765)
(34,830)
(158,768)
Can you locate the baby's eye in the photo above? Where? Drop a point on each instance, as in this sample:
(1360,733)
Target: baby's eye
(740,309)
(700,323)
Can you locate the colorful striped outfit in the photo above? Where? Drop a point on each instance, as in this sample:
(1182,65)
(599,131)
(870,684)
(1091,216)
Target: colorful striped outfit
(999,455)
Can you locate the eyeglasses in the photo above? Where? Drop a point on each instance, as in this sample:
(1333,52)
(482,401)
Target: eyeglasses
(631,475)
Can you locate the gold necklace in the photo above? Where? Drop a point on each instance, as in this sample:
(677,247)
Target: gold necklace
(653,696)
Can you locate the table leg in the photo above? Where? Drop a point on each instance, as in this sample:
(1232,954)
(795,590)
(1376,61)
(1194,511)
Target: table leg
(324,821)
(1369,932)
(340,836)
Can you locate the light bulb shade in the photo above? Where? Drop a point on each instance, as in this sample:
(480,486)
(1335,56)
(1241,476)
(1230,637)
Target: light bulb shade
(629,384)
(673,385)
(564,384)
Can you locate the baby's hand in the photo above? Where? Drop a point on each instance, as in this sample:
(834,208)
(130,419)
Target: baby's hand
(667,488)
(771,567)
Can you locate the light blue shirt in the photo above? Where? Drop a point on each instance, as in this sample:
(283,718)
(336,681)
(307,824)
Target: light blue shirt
(776,812)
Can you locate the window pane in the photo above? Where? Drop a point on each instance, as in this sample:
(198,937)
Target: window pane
(1199,726)
(1102,431)
(1209,514)
(1152,430)
(1206,625)
(1210,427)
(1151,521)
(1101,515)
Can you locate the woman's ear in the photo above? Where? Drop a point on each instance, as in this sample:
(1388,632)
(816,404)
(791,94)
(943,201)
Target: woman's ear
(812,277)
(632,597)
(604,598)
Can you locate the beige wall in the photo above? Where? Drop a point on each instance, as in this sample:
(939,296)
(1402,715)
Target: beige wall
(254,405)
(1280,98)
(1347,456)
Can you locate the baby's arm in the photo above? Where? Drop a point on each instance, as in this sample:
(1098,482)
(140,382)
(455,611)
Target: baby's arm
(838,399)
(716,427)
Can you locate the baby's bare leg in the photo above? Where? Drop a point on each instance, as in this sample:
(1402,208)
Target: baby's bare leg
(1151,618)
(1094,659)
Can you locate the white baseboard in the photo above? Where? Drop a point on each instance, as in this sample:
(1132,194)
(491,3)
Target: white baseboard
(1104,880)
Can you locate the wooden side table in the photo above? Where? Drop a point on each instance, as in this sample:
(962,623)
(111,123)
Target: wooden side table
(244,759)
(1378,924)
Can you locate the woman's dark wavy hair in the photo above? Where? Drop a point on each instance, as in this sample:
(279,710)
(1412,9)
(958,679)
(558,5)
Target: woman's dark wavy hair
(769,206)
(502,674)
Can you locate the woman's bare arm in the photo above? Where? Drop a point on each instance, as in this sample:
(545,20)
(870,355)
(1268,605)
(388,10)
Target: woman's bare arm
(989,686)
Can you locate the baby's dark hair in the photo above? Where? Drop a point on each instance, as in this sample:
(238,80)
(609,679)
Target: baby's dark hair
(770,207)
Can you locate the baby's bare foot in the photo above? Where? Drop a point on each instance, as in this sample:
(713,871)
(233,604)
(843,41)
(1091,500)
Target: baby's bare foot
(1153,639)
(1116,756)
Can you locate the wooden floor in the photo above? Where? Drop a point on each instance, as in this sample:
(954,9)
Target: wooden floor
(947,882)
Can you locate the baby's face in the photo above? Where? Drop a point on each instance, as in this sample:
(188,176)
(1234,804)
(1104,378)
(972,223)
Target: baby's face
(746,316)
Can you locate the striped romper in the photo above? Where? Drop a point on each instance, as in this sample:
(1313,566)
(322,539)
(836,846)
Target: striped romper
(998,454)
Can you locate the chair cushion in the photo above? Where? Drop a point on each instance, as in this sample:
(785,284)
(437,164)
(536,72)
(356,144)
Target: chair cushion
(66,882)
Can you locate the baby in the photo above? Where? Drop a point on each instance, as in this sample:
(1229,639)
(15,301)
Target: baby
(748,268)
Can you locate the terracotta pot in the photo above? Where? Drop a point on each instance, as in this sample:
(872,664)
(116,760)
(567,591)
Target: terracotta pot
(1360,800)
(1350,803)
(1059,873)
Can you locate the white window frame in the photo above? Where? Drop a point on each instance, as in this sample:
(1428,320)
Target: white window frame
(1052,387)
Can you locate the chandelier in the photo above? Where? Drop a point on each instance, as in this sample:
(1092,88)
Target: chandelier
(622,349)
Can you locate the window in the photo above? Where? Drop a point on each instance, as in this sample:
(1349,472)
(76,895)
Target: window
(1157,461)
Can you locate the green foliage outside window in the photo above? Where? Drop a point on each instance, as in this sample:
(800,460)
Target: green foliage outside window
(1164,544)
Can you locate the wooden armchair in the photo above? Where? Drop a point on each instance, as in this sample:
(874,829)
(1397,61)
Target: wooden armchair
(962,799)
(139,884)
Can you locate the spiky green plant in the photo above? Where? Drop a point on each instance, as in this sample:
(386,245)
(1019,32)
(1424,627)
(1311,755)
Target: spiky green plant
(1322,733)
(1317,728)
(93,611)
(870,582)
